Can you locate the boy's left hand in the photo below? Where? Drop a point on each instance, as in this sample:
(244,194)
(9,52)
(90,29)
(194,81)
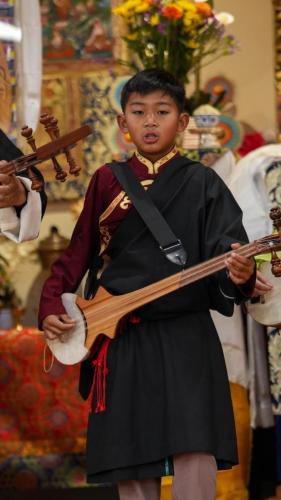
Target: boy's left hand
(240,268)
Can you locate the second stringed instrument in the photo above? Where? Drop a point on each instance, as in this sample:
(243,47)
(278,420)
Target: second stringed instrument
(59,144)
(266,309)
(102,314)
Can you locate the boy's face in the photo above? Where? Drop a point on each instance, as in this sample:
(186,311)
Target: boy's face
(153,121)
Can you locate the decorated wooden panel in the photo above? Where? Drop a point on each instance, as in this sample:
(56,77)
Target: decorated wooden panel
(88,98)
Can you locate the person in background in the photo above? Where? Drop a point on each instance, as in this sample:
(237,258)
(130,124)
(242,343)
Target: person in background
(21,209)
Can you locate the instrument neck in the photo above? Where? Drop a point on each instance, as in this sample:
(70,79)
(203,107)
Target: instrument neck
(187,276)
(20,164)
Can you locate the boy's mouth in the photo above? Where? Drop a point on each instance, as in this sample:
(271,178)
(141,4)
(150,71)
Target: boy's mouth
(150,138)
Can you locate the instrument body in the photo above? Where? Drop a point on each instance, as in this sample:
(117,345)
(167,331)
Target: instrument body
(76,350)
(104,314)
(266,309)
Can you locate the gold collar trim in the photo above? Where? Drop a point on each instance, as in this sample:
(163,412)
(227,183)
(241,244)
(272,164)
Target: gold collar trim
(153,168)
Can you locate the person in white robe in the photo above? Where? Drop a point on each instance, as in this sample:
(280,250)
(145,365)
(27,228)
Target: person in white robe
(21,209)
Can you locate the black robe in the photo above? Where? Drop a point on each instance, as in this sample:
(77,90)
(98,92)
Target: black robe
(167,387)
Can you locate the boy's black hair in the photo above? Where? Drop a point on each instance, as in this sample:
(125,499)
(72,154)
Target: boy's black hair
(150,80)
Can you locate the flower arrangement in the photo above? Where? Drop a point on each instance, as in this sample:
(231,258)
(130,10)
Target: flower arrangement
(180,36)
(8,296)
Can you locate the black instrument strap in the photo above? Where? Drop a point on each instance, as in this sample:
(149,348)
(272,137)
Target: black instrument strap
(154,220)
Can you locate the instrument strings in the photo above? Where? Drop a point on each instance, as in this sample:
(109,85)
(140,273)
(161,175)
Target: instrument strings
(135,299)
(117,306)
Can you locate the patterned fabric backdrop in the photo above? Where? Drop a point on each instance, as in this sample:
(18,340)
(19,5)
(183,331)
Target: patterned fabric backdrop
(75,99)
(42,417)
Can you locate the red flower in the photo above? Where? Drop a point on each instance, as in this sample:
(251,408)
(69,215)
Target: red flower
(172,12)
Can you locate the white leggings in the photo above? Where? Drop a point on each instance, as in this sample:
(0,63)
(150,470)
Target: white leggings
(194,479)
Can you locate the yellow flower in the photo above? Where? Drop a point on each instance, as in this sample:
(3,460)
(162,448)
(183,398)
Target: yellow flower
(142,7)
(121,11)
(125,8)
(132,36)
(131,4)
(154,20)
(192,44)
(118,10)
(191,19)
(187,6)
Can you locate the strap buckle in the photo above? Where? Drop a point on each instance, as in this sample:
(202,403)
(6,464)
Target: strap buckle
(175,253)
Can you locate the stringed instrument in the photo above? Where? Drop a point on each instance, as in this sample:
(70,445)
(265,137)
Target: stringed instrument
(103,314)
(266,309)
(59,144)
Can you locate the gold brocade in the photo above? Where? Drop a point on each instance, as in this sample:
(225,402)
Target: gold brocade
(111,207)
(104,238)
(231,484)
(153,168)
(121,201)
(126,202)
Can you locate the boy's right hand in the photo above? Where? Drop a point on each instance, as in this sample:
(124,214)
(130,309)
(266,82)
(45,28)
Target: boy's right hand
(56,326)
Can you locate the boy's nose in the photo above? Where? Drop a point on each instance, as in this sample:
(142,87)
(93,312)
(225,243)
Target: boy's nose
(150,120)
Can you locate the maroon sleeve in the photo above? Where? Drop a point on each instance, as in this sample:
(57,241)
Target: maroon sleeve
(68,271)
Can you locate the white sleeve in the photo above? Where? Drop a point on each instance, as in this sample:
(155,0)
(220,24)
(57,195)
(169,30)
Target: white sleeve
(27,226)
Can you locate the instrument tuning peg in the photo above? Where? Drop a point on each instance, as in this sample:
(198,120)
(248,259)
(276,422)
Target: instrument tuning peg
(50,124)
(48,151)
(27,133)
(54,125)
(73,167)
(51,127)
(44,118)
(275,264)
(275,215)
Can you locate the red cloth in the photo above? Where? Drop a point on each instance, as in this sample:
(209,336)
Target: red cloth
(40,413)
(251,142)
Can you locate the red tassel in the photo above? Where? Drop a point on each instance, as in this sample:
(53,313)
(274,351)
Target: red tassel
(99,381)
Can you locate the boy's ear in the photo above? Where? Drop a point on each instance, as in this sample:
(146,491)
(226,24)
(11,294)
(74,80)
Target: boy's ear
(183,122)
(122,124)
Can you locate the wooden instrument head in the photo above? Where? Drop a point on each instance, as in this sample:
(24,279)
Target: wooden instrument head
(58,145)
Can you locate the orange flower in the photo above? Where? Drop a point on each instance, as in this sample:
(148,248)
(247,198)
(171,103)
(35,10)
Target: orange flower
(172,12)
(204,8)
(218,89)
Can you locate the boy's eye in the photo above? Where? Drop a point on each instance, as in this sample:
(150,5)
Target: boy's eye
(137,112)
(163,112)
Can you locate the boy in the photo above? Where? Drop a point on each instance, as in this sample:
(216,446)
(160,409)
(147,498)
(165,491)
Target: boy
(167,408)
